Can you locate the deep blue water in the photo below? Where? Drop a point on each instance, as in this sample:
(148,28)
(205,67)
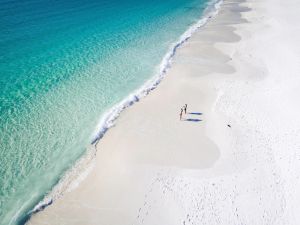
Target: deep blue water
(62,65)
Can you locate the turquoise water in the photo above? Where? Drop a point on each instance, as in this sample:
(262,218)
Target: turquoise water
(62,65)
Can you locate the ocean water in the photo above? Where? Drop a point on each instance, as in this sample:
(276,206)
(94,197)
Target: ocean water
(63,64)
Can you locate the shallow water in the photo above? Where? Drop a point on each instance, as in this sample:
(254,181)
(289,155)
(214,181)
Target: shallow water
(63,64)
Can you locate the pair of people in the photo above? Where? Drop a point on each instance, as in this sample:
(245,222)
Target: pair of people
(184,108)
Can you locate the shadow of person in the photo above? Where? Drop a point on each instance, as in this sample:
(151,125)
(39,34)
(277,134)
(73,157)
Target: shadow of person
(193,120)
(195,113)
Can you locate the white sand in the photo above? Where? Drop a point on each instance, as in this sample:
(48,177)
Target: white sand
(242,69)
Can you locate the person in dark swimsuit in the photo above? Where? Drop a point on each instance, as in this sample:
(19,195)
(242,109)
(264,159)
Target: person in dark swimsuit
(185,108)
(180,115)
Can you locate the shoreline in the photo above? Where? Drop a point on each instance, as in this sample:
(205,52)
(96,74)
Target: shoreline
(85,163)
(109,117)
(153,168)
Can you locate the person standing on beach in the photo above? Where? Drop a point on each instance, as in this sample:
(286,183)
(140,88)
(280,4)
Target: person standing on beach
(180,115)
(185,108)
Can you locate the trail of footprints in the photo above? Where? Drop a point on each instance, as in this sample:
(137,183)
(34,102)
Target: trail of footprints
(198,201)
(218,200)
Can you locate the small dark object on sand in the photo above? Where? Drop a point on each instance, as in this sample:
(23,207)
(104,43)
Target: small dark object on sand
(228,125)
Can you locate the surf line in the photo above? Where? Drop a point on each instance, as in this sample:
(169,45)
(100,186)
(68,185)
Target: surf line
(109,117)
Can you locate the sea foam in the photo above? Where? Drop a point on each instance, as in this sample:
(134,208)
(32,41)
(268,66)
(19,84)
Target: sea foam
(109,117)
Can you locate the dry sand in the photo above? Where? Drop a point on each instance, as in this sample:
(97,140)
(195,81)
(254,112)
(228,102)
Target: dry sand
(242,68)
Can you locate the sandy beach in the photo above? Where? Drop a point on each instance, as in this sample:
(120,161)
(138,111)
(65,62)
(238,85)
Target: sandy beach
(241,69)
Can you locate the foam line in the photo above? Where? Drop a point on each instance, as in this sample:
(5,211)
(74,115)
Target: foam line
(109,118)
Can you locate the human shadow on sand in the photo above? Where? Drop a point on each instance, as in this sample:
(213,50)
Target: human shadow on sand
(193,120)
(195,113)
